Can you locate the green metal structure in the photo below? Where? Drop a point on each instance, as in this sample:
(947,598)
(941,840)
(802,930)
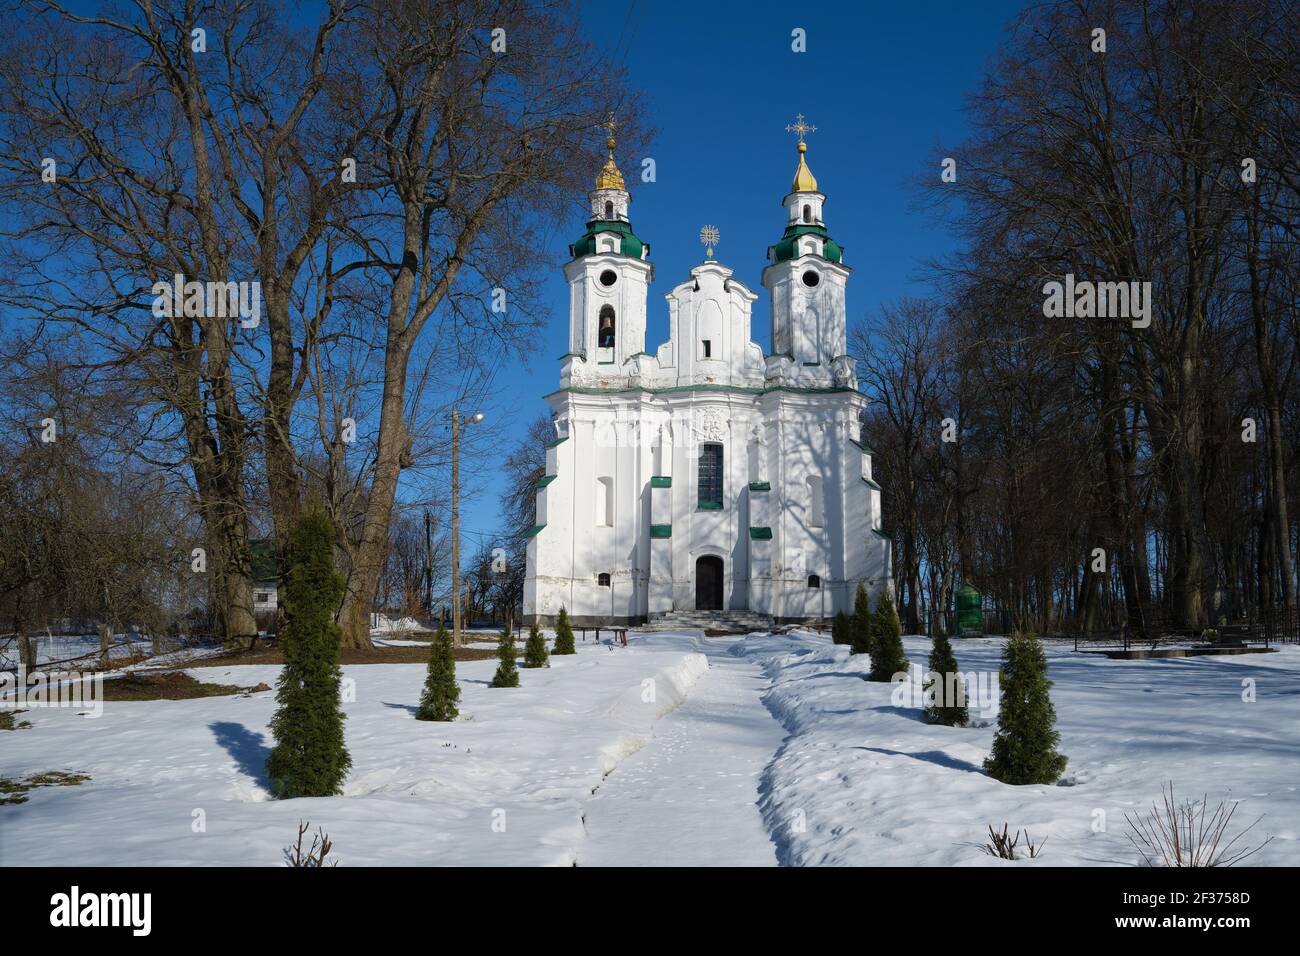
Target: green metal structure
(970,612)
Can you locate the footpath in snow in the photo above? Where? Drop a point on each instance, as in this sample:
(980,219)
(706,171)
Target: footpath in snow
(690,796)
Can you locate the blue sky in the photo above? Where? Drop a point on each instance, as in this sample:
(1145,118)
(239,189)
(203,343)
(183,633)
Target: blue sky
(884,83)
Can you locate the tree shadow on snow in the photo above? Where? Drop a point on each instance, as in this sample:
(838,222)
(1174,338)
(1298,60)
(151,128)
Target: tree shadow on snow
(937,757)
(409,708)
(248,749)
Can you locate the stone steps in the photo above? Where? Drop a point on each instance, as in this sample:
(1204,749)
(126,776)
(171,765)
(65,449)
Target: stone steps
(737,621)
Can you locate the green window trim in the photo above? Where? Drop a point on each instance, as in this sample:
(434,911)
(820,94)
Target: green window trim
(558,441)
(760,534)
(871,484)
(880,534)
(661,531)
(545,480)
(532,532)
(760,486)
(709,506)
(661,481)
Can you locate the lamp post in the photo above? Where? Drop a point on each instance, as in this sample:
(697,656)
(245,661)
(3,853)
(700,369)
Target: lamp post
(456,420)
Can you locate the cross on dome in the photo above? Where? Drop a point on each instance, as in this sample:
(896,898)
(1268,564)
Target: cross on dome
(804,181)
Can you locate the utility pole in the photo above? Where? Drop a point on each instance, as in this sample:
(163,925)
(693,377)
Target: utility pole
(428,565)
(455,518)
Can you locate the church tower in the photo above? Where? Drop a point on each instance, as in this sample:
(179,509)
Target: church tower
(608,278)
(805,280)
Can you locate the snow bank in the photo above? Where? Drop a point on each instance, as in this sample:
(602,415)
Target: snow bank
(637,708)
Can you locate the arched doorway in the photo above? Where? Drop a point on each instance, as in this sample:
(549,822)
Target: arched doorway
(708,583)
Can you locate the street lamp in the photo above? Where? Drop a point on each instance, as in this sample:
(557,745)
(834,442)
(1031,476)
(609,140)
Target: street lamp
(457,419)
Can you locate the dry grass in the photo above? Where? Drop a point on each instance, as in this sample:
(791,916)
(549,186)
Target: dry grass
(347,655)
(1189,834)
(1003,845)
(168,685)
(15,791)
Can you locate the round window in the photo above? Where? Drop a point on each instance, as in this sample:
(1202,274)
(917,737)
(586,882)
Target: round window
(811,278)
(608,277)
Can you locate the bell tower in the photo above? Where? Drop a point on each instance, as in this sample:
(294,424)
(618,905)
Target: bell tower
(806,278)
(608,276)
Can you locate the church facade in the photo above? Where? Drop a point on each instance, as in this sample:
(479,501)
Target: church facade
(705,475)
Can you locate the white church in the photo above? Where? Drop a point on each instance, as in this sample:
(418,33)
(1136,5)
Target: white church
(705,476)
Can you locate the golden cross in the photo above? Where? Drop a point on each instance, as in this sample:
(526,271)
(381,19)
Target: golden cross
(800,127)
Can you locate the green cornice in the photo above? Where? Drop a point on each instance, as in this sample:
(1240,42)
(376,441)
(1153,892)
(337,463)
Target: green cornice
(871,484)
(710,506)
(531,532)
(880,534)
(661,531)
(760,534)
(784,249)
(558,441)
(862,447)
(545,480)
(760,486)
(661,481)
(628,244)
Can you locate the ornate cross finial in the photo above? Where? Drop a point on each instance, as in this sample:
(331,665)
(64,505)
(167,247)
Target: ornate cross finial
(800,128)
(710,238)
(610,125)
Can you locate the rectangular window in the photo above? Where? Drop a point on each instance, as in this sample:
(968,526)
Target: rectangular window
(605,502)
(711,476)
(708,349)
(816,502)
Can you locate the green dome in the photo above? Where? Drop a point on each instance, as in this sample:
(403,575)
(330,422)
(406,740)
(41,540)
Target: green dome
(785,249)
(628,243)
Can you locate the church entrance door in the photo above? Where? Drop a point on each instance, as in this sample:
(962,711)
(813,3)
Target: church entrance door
(708,583)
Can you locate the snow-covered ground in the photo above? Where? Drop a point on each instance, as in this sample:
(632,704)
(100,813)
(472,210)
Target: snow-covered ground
(675,750)
(861,781)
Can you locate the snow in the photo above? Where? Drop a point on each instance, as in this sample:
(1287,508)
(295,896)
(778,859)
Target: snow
(676,750)
(386,625)
(861,781)
(689,797)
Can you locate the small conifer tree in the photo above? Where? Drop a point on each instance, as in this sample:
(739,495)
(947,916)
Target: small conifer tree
(1024,748)
(860,626)
(841,629)
(310,758)
(507,674)
(535,654)
(564,635)
(942,710)
(441,692)
(887,657)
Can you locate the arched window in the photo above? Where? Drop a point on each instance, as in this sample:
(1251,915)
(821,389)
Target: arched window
(602,579)
(807,213)
(609,210)
(605,327)
(710,477)
(814,581)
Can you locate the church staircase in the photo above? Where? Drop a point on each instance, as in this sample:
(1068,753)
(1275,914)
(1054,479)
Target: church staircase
(729,622)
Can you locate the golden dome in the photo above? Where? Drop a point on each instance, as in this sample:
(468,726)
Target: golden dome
(804,181)
(610,177)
